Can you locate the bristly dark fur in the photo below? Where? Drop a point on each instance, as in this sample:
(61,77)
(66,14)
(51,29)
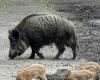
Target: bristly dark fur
(38,30)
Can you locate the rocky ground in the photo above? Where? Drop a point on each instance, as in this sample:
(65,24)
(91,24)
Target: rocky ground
(84,14)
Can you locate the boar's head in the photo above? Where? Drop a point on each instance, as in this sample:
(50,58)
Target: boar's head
(17,43)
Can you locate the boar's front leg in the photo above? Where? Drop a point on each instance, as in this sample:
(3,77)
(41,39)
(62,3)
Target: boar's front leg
(36,50)
(40,55)
(32,54)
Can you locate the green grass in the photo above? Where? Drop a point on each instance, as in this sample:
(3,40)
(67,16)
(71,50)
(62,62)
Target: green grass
(45,5)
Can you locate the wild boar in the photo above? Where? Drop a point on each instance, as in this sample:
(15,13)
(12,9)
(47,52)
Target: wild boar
(32,72)
(38,30)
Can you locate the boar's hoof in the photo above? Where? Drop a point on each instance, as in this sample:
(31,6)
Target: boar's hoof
(73,58)
(56,58)
(32,57)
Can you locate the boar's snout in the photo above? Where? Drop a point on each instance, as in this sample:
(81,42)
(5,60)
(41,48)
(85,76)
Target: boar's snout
(12,55)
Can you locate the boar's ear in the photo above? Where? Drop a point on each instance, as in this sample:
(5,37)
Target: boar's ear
(15,34)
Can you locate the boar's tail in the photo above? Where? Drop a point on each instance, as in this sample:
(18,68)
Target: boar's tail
(77,46)
(73,40)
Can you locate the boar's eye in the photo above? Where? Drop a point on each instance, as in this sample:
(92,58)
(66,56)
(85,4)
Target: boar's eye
(11,38)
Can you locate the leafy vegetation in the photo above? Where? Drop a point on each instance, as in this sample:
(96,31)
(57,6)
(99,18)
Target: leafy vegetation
(45,5)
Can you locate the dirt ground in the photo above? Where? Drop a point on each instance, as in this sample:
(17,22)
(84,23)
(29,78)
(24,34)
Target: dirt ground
(84,14)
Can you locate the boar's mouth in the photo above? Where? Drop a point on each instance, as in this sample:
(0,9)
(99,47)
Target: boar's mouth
(12,56)
(15,54)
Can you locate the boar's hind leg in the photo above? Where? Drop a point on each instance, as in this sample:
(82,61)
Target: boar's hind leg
(74,51)
(73,46)
(61,48)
